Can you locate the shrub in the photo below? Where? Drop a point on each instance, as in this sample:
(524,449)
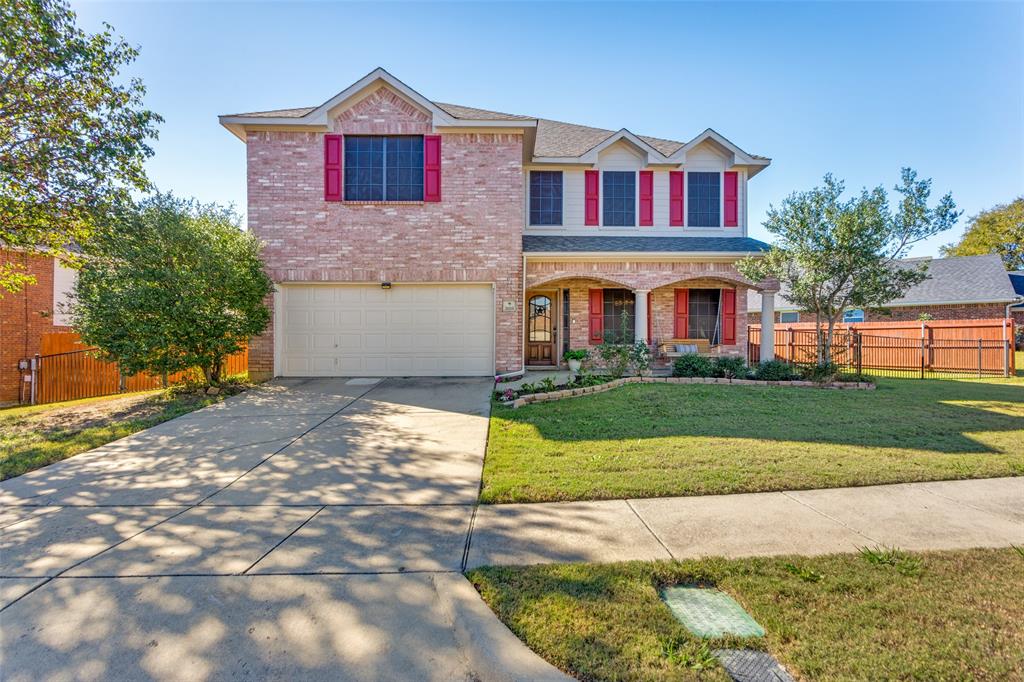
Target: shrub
(821,374)
(616,358)
(730,368)
(693,365)
(774,370)
(640,357)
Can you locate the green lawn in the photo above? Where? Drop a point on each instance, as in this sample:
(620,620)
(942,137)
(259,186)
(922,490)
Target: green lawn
(934,616)
(652,440)
(34,436)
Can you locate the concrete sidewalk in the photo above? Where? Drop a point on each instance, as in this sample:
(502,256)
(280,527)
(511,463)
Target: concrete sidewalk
(915,516)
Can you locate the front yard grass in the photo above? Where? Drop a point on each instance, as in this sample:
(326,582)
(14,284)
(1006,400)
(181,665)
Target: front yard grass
(34,436)
(958,616)
(655,440)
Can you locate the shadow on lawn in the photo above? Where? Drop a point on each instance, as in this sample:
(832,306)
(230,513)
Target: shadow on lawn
(932,415)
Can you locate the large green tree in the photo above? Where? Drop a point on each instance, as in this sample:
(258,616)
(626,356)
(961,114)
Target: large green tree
(832,253)
(73,136)
(171,284)
(997,230)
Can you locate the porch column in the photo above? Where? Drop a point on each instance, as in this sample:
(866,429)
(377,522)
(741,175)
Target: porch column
(640,314)
(769,287)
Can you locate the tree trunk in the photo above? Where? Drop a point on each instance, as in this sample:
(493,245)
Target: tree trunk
(207,374)
(215,370)
(828,341)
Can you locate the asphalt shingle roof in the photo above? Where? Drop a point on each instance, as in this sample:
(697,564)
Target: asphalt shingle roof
(961,279)
(554,138)
(1017,281)
(533,243)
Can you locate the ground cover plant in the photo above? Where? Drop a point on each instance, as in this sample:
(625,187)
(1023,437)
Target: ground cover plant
(880,614)
(651,440)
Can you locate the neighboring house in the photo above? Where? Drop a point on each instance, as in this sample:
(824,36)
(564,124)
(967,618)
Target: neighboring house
(25,317)
(410,237)
(959,288)
(1017,311)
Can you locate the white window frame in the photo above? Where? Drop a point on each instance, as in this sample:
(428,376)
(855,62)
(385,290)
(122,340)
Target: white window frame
(529,191)
(782,314)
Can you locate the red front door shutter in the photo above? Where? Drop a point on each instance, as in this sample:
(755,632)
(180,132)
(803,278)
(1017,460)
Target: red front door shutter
(732,198)
(592,192)
(681,328)
(675,198)
(596,315)
(431,168)
(332,168)
(728,316)
(646,198)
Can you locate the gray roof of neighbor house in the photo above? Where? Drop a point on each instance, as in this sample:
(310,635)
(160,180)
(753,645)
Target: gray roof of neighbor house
(1017,282)
(554,138)
(962,279)
(598,244)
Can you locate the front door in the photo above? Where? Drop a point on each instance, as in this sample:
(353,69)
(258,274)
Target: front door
(540,331)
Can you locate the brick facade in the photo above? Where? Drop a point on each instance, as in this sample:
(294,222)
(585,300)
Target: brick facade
(661,278)
(24,318)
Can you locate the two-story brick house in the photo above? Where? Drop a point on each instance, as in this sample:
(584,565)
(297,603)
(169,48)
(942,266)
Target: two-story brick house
(410,237)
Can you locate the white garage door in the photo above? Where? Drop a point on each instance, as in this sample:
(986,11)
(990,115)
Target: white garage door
(408,330)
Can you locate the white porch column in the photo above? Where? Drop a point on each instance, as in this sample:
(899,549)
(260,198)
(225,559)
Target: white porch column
(768,319)
(640,314)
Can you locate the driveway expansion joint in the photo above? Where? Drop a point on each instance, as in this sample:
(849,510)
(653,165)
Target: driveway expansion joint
(650,530)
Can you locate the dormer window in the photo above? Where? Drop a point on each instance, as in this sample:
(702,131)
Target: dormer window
(704,199)
(383,168)
(545,197)
(619,198)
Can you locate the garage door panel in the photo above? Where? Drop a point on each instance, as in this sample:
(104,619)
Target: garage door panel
(417,330)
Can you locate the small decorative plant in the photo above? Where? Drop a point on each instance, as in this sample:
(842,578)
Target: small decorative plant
(580,354)
(730,368)
(693,365)
(774,370)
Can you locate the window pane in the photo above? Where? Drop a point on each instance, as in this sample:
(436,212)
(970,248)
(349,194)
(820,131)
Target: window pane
(703,194)
(539,325)
(364,168)
(703,314)
(404,161)
(545,197)
(619,309)
(619,198)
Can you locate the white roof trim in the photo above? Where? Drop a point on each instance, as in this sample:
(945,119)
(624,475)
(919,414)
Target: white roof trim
(653,155)
(318,118)
(740,157)
(566,255)
(786,306)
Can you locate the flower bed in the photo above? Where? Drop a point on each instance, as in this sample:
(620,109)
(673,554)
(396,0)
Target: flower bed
(563,391)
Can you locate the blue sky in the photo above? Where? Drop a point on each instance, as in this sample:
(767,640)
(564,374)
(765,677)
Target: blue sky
(859,89)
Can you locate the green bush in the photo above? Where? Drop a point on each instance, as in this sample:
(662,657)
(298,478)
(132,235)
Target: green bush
(730,368)
(821,374)
(774,370)
(693,365)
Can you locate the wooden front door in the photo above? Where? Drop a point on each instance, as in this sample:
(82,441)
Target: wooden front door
(540,331)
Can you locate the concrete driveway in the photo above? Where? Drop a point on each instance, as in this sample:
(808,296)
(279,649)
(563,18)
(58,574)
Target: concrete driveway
(297,531)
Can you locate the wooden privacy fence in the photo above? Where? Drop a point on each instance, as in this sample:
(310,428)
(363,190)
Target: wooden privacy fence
(81,374)
(920,349)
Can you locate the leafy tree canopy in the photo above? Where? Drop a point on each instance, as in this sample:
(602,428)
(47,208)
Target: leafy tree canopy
(997,230)
(170,285)
(832,253)
(72,139)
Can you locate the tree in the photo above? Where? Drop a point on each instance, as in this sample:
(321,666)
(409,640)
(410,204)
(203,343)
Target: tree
(171,284)
(72,139)
(997,230)
(832,253)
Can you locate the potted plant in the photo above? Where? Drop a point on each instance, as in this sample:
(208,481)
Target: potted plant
(575,358)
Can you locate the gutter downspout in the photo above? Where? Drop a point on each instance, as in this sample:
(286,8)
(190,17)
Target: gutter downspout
(522,366)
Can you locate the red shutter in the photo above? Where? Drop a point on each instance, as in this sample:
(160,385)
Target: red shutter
(592,181)
(431,168)
(596,314)
(682,315)
(650,319)
(646,198)
(728,316)
(731,198)
(332,168)
(675,198)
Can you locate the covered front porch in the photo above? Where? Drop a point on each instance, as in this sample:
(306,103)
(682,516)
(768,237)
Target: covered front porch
(700,307)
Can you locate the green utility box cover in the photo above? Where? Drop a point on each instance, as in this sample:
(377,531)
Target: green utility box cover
(707,612)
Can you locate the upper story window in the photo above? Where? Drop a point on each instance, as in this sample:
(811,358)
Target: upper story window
(789,317)
(703,199)
(619,198)
(383,168)
(545,197)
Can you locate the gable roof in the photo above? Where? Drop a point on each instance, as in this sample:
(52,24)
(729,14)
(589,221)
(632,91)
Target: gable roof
(554,141)
(961,279)
(1017,282)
